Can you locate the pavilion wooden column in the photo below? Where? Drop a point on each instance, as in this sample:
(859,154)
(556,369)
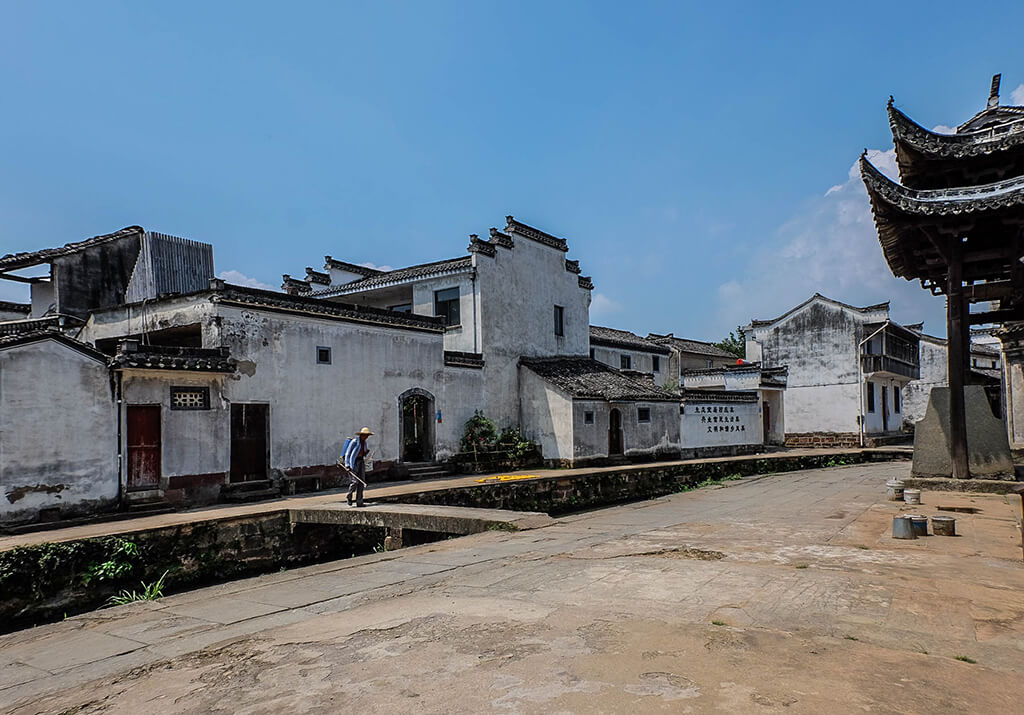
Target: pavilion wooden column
(957,338)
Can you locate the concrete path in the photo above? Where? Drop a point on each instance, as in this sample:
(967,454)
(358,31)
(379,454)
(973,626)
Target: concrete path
(783,593)
(374,491)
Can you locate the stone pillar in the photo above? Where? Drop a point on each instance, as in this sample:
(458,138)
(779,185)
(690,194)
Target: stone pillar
(1011,336)
(393,539)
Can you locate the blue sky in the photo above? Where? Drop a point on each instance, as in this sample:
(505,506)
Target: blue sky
(696,156)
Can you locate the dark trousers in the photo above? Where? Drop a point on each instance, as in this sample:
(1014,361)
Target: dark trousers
(355,486)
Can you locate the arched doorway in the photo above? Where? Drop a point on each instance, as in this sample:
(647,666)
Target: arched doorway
(416,426)
(614,432)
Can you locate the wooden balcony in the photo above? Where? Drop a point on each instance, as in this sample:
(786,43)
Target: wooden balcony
(889,365)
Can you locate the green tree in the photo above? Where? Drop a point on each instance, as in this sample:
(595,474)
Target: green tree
(735,343)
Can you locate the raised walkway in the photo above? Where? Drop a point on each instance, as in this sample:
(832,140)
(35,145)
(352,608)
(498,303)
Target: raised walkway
(393,491)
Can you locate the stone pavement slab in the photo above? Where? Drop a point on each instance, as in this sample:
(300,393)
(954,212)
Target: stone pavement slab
(777,594)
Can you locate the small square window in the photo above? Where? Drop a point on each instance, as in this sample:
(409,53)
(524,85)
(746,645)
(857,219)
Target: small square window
(656,364)
(643,414)
(625,362)
(588,418)
(446,305)
(323,355)
(190,398)
(559,321)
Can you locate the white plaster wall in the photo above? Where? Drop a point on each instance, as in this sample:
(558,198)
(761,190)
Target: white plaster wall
(1013,374)
(43,298)
(546,416)
(192,441)
(591,441)
(660,435)
(873,421)
(641,361)
(822,408)
(720,424)
(819,345)
(933,374)
(315,407)
(463,337)
(138,319)
(57,430)
(519,288)
(777,416)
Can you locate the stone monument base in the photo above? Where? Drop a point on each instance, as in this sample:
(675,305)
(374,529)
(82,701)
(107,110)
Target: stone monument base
(988,449)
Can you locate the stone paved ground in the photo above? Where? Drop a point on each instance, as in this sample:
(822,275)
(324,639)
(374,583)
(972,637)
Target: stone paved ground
(775,594)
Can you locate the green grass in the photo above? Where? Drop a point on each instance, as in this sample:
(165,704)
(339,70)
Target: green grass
(149,592)
(718,623)
(801,566)
(965,659)
(862,546)
(851,638)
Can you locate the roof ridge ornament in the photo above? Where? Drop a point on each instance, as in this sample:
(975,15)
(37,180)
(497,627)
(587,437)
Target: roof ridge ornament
(993,93)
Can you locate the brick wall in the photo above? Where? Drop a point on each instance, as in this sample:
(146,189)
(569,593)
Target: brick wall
(822,439)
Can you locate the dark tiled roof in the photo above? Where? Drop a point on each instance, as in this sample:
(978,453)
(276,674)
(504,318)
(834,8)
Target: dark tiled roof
(33,336)
(10,307)
(959,145)
(989,373)
(683,345)
(536,234)
(819,296)
(154,357)
(378,280)
(14,261)
(702,396)
(47,322)
(330,262)
(282,302)
(624,339)
(454,358)
(584,378)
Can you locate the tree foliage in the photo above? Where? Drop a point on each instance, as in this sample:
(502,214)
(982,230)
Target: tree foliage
(735,343)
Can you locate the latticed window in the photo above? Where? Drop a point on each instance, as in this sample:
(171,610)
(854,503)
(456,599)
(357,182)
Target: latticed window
(190,398)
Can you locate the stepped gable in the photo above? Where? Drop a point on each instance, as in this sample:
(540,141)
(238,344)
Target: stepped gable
(587,379)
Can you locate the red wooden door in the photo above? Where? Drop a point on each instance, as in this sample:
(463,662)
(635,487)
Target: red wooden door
(143,446)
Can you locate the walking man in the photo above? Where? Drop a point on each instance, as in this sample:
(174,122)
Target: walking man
(355,461)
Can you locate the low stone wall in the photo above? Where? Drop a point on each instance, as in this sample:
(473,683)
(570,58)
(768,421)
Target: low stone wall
(977,486)
(822,439)
(560,495)
(47,581)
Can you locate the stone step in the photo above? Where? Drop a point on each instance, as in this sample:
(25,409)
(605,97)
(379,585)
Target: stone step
(248,495)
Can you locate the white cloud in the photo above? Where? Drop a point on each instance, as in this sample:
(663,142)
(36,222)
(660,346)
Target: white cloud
(1017,96)
(830,246)
(239,278)
(375,267)
(601,305)
(943,129)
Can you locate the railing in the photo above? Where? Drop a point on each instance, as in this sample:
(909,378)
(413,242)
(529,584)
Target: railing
(887,363)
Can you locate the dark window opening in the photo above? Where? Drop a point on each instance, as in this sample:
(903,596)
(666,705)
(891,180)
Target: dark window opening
(625,362)
(591,353)
(323,355)
(190,398)
(588,418)
(656,363)
(401,308)
(896,399)
(871,396)
(559,320)
(643,414)
(446,305)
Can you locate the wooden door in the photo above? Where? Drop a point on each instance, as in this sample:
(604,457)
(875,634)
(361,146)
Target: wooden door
(143,437)
(614,432)
(766,421)
(250,427)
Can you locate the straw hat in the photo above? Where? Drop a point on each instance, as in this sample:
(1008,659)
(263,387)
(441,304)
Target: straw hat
(365,430)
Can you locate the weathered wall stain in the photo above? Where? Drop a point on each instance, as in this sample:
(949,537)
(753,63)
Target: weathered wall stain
(19,492)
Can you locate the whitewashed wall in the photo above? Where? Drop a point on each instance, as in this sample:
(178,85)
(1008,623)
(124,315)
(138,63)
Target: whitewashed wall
(57,431)
(519,288)
(716,424)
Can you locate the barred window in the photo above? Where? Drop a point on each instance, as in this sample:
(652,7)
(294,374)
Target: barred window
(190,398)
